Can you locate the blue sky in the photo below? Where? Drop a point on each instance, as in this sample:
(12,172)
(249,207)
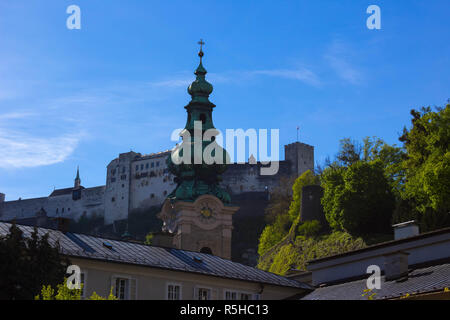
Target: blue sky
(81,97)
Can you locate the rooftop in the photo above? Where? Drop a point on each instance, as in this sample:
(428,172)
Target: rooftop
(423,280)
(383,244)
(95,248)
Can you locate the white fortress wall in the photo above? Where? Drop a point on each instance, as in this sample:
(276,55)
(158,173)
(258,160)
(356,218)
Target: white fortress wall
(139,181)
(151,181)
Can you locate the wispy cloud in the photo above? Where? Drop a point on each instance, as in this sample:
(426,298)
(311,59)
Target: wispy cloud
(339,56)
(15,115)
(302,74)
(20,149)
(299,74)
(172,83)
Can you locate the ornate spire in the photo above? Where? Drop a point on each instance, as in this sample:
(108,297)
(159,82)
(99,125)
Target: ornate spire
(196,178)
(77,178)
(200,89)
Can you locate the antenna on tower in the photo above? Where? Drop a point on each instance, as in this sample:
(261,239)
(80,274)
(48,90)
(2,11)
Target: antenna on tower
(298,129)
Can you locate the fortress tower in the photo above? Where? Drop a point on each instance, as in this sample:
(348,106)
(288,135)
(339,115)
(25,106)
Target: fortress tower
(300,156)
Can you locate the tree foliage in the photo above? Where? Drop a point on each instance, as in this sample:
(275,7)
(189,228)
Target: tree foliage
(367,186)
(309,229)
(64,293)
(284,209)
(295,255)
(427,167)
(273,233)
(358,199)
(28,263)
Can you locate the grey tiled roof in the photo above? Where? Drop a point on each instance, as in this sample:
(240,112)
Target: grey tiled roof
(429,279)
(61,192)
(90,247)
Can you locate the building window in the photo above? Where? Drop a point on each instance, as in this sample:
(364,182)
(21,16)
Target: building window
(122,287)
(165,193)
(146,166)
(142,166)
(246,296)
(173,291)
(137,167)
(57,210)
(203,294)
(76,195)
(157,163)
(236,295)
(62,210)
(113,180)
(152,195)
(230,295)
(113,199)
(153,164)
(123,177)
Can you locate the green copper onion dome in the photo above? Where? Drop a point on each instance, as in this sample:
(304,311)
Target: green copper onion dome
(196,178)
(200,89)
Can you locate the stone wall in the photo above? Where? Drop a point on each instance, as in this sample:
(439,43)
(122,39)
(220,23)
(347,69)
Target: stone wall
(91,202)
(139,181)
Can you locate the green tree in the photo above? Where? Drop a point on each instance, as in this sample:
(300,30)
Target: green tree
(64,293)
(277,215)
(427,167)
(309,229)
(295,254)
(358,199)
(273,233)
(28,263)
(363,185)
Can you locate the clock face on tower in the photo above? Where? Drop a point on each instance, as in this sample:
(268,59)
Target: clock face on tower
(207,215)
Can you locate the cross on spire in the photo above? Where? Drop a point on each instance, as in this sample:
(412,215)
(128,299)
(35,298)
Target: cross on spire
(201,43)
(200,54)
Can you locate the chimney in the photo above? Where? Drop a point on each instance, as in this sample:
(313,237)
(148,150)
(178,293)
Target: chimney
(396,265)
(405,230)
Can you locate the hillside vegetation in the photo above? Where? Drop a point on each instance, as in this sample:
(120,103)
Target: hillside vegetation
(367,187)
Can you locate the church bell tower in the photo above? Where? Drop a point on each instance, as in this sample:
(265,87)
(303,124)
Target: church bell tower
(198,213)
